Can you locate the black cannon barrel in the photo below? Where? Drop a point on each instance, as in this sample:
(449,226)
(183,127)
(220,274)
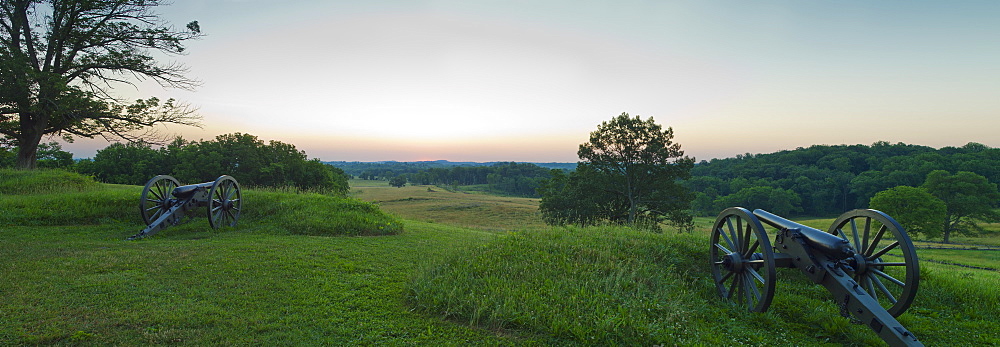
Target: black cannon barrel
(828,244)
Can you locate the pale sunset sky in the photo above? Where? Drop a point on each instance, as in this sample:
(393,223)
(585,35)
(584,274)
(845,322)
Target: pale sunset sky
(529,80)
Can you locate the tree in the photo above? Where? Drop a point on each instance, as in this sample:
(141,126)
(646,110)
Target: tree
(398,181)
(777,200)
(914,208)
(630,170)
(968,197)
(59,60)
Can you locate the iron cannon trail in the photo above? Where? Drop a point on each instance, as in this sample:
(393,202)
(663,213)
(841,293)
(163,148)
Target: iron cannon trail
(164,202)
(865,260)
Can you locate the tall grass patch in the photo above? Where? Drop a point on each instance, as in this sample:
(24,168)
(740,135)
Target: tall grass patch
(316,214)
(595,285)
(19,182)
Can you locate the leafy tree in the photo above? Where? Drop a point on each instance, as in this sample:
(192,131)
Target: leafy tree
(59,60)
(914,208)
(52,156)
(776,200)
(398,181)
(568,199)
(968,197)
(630,170)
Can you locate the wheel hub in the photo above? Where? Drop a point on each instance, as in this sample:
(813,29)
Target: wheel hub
(733,262)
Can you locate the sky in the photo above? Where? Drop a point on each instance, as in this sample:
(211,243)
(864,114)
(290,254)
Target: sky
(529,80)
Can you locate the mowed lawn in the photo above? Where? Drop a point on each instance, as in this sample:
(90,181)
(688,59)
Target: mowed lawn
(84,284)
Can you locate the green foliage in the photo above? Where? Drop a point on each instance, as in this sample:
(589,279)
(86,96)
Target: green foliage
(57,62)
(629,175)
(398,181)
(245,157)
(832,179)
(968,197)
(914,208)
(776,200)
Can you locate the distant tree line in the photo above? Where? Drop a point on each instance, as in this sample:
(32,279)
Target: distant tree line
(507,178)
(250,160)
(518,179)
(825,180)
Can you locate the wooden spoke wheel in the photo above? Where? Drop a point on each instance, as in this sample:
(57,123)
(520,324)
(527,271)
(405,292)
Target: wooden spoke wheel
(885,263)
(225,202)
(157,197)
(742,260)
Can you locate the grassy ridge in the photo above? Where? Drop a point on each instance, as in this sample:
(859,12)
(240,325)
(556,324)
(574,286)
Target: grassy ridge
(612,286)
(54,197)
(264,283)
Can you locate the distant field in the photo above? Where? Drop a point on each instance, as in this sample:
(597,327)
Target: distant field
(441,205)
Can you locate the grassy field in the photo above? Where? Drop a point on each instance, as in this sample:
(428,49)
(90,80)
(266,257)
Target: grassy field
(448,206)
(435,274)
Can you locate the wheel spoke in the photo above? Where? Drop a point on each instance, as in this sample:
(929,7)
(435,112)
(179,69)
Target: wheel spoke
(878,237)
(753,295)
(726,238)
(740,240)
(868,228)
(869,287)
(883,251)
(890,278)
(756,275)
(756,243)
(726,277)
(857,240)
(732,234)
(884,290)
(723,248)
(732,286)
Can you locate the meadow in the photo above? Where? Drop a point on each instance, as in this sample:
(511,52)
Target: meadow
(441,267)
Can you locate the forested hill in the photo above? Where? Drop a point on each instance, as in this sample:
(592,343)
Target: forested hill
(390,169)
(828,180)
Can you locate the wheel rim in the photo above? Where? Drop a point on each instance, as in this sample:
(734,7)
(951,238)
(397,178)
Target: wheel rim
(886,263)
(156,197)
(226,202)
(742,260)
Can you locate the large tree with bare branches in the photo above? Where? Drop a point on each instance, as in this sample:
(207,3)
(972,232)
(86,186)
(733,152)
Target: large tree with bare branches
(60,60)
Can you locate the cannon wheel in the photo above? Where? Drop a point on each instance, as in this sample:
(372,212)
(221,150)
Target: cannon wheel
(225,202)
(156,197)
(892,278)
(742,260)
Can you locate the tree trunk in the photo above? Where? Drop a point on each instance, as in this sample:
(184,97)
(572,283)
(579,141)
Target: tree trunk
(27,143)
(947,228)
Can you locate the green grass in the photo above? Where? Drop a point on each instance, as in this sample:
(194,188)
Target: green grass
(613,286)
(55,202)
(69,278)
(80,284)
(19,182)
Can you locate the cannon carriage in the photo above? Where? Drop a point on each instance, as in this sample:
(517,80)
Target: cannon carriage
(164,202)
(866,260)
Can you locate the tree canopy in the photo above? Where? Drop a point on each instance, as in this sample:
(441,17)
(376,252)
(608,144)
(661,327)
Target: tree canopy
(245,157)
(914,208)
(968,196)
(832,179)
(60,60)
(630,173)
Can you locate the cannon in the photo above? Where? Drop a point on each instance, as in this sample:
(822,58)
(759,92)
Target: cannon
(866,260)
(164,202)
